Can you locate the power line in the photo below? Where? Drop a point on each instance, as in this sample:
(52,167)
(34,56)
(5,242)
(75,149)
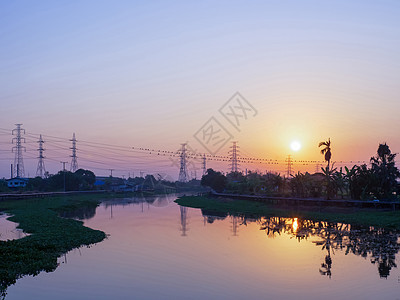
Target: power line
(118,156)
(150,150)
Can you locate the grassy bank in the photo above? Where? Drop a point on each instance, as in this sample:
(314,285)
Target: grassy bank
(50,235)
(367,217)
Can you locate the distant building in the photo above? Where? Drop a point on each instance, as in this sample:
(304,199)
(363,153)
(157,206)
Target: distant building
(99,182)
(114,184)
(17,182)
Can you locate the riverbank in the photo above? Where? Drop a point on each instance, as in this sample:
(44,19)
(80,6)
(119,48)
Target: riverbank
(254,209)
(19,196)
(312,201)
(50,235)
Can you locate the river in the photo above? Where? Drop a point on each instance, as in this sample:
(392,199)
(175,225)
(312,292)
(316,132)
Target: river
(159,250)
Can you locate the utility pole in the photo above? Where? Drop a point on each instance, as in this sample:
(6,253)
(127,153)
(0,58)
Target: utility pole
(111,170)
(289,165)
(18,160)
(74,161)
(64,170)
(234,157)
(204,165)
(183,176)
(41,170)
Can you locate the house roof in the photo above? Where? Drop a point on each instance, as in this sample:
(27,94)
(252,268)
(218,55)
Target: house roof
(18,178)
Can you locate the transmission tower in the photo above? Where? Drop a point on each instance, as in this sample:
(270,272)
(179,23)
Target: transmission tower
(74,161)
(289,162)
(18,160)
(234,157)
(41,170)
(204,164)
(183,176)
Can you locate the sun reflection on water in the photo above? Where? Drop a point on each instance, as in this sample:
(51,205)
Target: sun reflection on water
(295,225)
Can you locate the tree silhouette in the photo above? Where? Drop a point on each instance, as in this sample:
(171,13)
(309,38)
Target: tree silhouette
(385,172)
(215,180)
(326,150)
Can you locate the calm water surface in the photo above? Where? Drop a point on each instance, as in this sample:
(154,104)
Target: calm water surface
(159,250)
(9,230)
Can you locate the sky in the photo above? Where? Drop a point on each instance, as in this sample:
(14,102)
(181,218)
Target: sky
(151,74)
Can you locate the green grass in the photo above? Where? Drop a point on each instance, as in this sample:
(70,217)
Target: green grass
(366,217)
(50,235)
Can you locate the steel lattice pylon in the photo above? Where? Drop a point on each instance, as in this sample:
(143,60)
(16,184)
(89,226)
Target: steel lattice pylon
(204,165)
(74,161)
(18,168)
(183,176)
(234,157)
(41,170)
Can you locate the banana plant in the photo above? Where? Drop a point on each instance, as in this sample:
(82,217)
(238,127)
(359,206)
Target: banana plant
(331,185)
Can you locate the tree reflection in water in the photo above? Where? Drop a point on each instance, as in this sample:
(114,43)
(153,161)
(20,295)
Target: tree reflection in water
(81,213)
(380,245)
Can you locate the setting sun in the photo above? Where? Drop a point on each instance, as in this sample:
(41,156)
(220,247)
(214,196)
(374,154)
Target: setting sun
(295,146)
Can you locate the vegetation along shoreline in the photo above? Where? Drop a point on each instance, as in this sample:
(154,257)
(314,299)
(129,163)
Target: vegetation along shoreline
(50,235)
(256,209)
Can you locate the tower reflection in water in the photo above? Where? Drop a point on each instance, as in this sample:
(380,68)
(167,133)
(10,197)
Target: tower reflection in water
(184,228)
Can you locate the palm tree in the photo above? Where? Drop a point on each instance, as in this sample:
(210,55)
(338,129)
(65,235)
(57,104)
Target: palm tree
(326,151)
